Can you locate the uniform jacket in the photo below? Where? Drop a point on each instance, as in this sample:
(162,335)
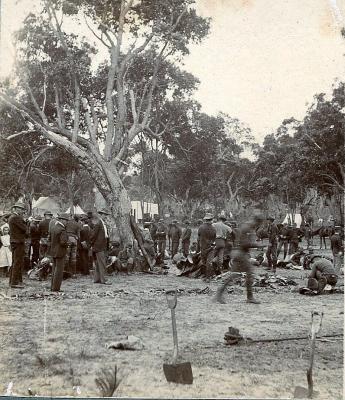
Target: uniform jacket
(284,233)
(18,228)
(98,239)
(187,233)
(161,232)
(223,231)
(58,240)
(175,233)
(206,236)
(34,232)
(85,233)
(272,231)
(73,228)
(44,228)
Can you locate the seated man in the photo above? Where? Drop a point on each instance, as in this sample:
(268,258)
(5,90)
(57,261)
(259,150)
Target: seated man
(322,273)
(126,259)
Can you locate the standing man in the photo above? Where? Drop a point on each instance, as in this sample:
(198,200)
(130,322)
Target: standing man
(283,240)
(271,252)
(73,233)
(99,241)
(84,246)
(294,237)
(44,233)
(240,260)
(206,239)
(161,235)
(308,234)
(153,233)
(186,235)
(18,232)
(337,246)
(35,237)
(223,232)
(58,248)
(175,234)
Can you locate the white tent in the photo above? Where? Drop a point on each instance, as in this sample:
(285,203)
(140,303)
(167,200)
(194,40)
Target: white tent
(76,210)
(148,208)
(291,218)
(45,204)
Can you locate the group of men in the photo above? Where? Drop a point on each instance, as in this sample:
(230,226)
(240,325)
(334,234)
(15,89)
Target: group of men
(60,239)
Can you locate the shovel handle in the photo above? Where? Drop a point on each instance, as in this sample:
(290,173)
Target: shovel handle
(174,327)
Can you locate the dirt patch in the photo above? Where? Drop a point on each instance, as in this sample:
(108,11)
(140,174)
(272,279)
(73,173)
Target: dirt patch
(71,347)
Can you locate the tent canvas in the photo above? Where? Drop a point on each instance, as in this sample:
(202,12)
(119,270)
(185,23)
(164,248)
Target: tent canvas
(45,204)
(76,210)
(291,218)
(148,208)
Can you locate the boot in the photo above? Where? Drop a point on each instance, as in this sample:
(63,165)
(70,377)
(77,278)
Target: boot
(250,297)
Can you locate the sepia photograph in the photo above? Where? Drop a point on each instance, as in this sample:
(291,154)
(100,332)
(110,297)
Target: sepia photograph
(172,199)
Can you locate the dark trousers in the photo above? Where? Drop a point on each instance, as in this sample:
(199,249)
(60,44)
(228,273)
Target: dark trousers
(185,247)
(35,245)
(283,244)
(43,250)
(84,261)
(219,252)
(100,264)
(18,254)
(293,246)
(71,258)
(174,248)
(57,273)
(271,255)
(161,246)
(207,256)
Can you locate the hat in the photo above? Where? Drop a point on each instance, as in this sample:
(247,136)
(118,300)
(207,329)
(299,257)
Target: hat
(37,219)
(174,221)
(64,216)
(48,213)
(270,219)
(222,217)
(19,205)
(208,216)
(104,211)
(161,220)
(187,222)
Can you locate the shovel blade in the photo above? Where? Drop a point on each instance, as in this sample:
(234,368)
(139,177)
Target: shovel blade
(179,373)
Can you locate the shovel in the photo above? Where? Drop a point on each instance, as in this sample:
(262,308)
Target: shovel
(182,372)
(301,392)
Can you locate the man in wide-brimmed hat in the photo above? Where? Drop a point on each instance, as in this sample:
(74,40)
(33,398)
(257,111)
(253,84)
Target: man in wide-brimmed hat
(99,240)
(18,233)
(161,235)
(44,233)
(58,248)
(206,239)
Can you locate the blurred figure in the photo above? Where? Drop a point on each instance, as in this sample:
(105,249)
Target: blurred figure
(337,246)
(240,260)
(84,246)
(73,233)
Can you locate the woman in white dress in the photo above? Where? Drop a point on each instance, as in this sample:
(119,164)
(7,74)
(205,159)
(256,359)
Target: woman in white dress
(5,252)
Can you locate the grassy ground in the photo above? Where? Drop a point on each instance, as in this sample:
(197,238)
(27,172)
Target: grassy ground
(54,343)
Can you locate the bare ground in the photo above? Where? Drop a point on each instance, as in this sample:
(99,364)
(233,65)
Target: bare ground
(71,348)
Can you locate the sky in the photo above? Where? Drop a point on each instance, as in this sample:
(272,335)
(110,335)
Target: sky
(262,62)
